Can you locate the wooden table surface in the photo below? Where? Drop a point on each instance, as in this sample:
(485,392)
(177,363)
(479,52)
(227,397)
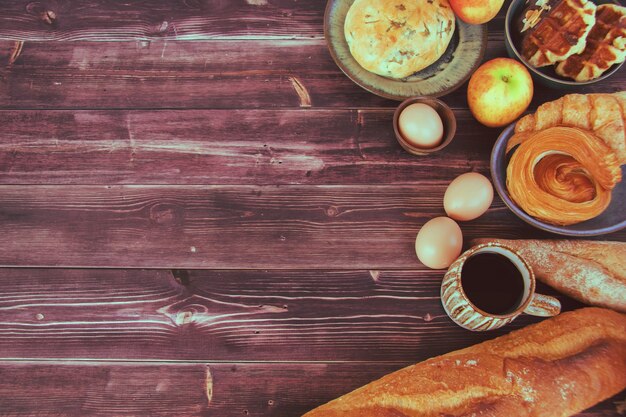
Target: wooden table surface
(202,216)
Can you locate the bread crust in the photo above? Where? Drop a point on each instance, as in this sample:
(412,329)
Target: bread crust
(555,368)
(602,114)
(396,38)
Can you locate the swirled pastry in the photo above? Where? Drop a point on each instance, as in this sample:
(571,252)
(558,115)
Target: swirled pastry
(563,175)
(396,38)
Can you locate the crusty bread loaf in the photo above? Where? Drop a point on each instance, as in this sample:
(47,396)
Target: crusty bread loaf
(555,368)
(588,271)
(396,38)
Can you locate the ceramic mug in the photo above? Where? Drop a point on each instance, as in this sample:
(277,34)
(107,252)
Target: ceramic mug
(464,313)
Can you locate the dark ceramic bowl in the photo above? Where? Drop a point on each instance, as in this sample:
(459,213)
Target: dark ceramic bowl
(612,220)
(545,75)
(447,118)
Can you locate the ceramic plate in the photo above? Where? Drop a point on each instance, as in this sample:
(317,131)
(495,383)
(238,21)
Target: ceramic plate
(612,220)
(462,57)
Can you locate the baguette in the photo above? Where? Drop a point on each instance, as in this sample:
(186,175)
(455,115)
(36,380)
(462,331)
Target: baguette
(588,271)
(555,368)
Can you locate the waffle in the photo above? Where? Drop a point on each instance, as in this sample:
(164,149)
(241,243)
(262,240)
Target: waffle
(555,30)
(606,45)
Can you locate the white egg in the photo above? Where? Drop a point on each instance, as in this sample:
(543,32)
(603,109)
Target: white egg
(468,196)
(421,125)
(439,242)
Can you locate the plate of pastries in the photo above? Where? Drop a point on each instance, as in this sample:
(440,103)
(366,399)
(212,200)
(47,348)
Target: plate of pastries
(567,42)
(399,49)
(561,168)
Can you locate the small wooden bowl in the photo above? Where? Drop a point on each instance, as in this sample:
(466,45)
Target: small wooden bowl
(447,118)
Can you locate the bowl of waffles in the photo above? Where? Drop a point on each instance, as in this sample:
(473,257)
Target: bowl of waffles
(567,43)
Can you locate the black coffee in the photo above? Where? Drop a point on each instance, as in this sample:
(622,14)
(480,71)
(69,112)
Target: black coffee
(492,283)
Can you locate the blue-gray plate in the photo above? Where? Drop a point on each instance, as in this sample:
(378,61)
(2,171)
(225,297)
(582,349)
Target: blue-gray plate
(611,220)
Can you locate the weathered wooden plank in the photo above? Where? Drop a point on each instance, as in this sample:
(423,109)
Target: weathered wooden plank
(217,147)
(229,315)
(104,20)
(47,20)
(179,389)
(216,74)
(225,227)
(159,19)
(225,147)
(166,74)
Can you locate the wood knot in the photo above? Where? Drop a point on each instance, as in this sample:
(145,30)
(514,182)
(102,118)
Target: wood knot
(16,50)
(192,313)
(375,275)
(44,13)
(301,91)
(332,211)
(48,16)
(161,28)
(184,317)
(166,214)
(208,385)
(272,309)
(181,276)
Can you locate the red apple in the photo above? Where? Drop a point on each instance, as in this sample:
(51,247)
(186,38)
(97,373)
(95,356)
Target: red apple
(476,12)
(499,92)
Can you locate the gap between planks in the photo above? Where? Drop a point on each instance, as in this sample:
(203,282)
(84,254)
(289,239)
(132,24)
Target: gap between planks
(174,362)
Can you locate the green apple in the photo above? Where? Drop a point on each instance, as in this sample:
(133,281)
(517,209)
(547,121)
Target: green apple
(499,92)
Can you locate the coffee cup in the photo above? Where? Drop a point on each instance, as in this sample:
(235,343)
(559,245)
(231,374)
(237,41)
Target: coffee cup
(489,286)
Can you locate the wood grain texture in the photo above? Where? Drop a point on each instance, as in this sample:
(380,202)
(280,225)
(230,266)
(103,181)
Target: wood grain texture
(230,227)
(103,20)
(182,75)
(225,147)
(48,20)
(107,20)
(181,390)
(262,165)
(375,315)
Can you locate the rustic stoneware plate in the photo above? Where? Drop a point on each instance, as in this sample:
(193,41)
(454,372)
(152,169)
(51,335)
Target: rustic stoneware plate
(545,75)
(612,220)
(460,59)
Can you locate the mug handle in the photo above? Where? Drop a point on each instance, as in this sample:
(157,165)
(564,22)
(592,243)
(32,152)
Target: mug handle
(543,306)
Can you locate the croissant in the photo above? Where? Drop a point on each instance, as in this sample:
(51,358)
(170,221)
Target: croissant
(563,175)
(602,114)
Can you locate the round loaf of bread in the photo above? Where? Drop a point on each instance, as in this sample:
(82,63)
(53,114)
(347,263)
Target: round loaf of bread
(396,38)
